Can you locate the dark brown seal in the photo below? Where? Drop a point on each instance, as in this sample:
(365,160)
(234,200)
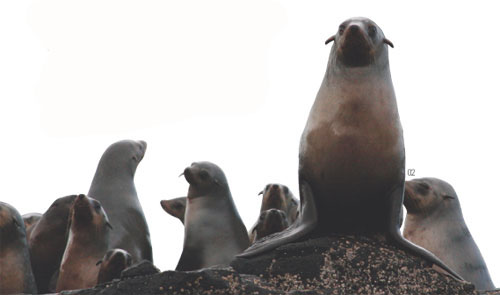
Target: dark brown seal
(16,275)
(270,221)
(175,207)
(213,229)
(47,242)
(112,265)
(113,186)
(88,240)
(351,155)
(276,196)
(434,221)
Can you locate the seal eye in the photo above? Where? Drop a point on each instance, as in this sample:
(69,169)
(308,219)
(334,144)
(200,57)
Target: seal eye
(372,31)
(448,197)
(285,189)
(203,174)
(341,30)
(97,206)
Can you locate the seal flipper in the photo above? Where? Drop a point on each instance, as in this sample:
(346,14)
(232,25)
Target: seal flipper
(396,203)
(305,223)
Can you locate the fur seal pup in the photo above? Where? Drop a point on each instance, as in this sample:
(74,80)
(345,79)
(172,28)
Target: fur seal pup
(30,219)
(88,240)
(351,155)
(47,242)
(16,275)
(276,196)
(112,265)
(213,229)
(434,221)
(113,186)
(270,221)
(175,207)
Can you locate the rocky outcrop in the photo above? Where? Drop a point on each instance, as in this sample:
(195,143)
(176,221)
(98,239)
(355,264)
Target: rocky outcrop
(324,265)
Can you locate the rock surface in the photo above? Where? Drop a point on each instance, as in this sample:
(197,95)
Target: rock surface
(325,265)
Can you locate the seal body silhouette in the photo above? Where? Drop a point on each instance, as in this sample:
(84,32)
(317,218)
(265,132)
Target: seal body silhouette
(16,275)
(213,230)
(47,243)
(113,186)
(434,221)
(88,240)
(351,155)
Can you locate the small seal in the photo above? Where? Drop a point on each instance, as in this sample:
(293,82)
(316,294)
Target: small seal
(88,240)
(17,275)
(30,219)
(351,155)
(113,186)
(175,207)
(47,243)
(434,221)
(270,221)
(213,229)
(112,265)
(276,196)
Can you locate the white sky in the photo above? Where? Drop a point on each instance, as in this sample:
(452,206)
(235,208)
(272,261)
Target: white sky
(232,82)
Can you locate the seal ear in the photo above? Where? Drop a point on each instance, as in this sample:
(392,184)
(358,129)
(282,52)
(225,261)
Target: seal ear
(109,225)
(98,262)
(386,41)
(332,38)
(260,193)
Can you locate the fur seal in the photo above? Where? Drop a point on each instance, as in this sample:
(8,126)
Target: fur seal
(88,240)
(113,186)
(276,196)
(16,275)
(47,242)
(30,219)
(112,265)
(175,207)
(270,221)
(351,155)
(213,229)
(434,221)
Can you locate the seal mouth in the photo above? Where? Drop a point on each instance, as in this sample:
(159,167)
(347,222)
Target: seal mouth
(356,49)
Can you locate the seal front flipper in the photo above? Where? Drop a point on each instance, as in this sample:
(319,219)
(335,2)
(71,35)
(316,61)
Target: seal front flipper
(396,199)
(305,223)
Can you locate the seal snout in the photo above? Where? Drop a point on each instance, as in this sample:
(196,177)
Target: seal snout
(188,174)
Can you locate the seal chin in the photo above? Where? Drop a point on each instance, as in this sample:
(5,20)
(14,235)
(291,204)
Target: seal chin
(356,50)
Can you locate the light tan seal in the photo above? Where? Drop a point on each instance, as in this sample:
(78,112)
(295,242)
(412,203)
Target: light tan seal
(16,275)
(88,241)
(434,221)
(175,207)
(112,265)
(213,230)
(351,155)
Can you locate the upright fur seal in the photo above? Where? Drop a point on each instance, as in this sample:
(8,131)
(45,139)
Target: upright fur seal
(175,207)
(47,242)
(16,275)
(112,265)
(434,221)
(30,219)
(351,155)
(270,221)
(213,229)
(113,186)
(88,240)
(276,196)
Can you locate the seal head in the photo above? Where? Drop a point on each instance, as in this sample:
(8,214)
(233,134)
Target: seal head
(112,265)
(270,221)
(435,222)
(175,207)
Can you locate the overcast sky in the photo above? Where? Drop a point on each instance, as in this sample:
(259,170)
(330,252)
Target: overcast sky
(233,82)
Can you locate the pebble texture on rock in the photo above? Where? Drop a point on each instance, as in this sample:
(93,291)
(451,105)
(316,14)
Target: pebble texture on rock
(325,265)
